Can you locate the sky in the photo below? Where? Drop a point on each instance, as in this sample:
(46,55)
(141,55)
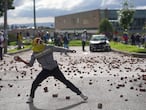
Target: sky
(46,10)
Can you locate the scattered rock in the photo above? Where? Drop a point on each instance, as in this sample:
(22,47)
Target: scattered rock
(144,77)
(18,95)
(81,77)
(45,89)
(10,85)
(142,90)
(100,105)
(121,96)
(126,100)
(55,95)
(121,85)
(67,97)
(131,87)
(90,83)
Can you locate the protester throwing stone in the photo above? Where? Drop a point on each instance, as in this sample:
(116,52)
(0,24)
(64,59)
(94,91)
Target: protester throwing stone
(44,55)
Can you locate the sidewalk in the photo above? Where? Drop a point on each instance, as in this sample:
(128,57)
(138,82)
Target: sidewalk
(111,79)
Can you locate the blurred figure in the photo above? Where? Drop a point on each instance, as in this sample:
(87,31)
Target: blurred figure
(144,40)
(59,40)
(125,38)
(1,45)
(138,40)
(66,41)
(84,39)
(46,37)
(27,34)
(27,37)
(20,40)
(133,39)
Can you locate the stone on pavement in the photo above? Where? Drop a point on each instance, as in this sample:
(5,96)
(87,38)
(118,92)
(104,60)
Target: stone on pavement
(112,81)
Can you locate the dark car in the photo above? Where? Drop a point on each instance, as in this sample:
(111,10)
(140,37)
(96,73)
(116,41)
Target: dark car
(99,43)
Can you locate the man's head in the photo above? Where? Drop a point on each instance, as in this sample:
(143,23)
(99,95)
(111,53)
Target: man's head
(38,45)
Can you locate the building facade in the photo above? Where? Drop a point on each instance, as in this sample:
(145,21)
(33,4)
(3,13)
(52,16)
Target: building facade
(90,21)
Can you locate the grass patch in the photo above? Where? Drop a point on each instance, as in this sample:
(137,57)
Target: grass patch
(77,43)
(17,50)
(13,43)
(114,45)
(126,47)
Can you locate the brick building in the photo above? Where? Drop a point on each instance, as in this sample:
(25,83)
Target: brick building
(90,20)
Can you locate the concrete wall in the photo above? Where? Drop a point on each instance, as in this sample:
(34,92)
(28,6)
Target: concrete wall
(78,21)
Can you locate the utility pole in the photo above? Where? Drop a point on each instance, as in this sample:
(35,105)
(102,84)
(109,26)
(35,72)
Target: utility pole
(34,13)
(5,25)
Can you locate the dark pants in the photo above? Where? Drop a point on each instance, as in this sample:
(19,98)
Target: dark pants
(1,53)
(56,73)
(83,45)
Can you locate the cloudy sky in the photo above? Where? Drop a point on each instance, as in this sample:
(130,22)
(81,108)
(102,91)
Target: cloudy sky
(46,10)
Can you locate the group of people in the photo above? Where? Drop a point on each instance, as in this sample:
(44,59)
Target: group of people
(2,42)
(60,40)
(63,40)
(137,39)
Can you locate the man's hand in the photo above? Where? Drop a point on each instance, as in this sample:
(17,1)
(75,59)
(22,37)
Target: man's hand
(17,58)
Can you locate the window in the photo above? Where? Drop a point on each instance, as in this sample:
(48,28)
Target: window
(78,20)
(64,21)
(85,21)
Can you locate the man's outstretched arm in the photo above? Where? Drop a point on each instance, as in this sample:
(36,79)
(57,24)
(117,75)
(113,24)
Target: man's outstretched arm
(19,59)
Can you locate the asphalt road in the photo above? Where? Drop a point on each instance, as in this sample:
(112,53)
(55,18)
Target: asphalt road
(109,79)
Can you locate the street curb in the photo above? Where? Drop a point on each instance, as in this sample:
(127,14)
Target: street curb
(140,55)
(18,51)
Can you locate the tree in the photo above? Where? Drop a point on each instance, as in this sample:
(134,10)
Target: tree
(106,28)
(2,6)
(126,15)
(5,5)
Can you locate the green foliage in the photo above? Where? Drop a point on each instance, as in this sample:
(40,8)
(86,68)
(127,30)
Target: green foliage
(126,18)
(2,6)
(126,15)
(105,26)
(12,37)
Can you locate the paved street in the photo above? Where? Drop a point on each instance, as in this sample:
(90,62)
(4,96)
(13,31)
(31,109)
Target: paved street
(111,79)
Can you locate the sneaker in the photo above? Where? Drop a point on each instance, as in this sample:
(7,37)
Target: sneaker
(30,100)
(83,97)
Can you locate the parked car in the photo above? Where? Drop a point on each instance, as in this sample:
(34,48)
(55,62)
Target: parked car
(99,43)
